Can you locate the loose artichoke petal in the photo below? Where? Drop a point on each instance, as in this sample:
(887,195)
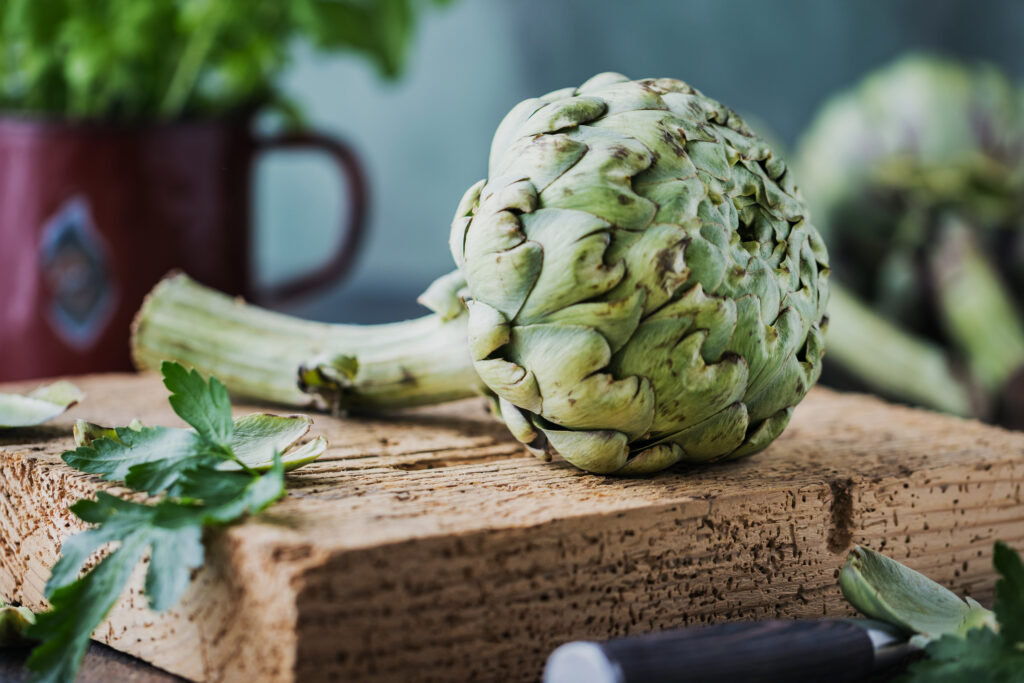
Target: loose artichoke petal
(886,590)
(39,405)
(86,432)
(651,460)
(601,452)
(14,622)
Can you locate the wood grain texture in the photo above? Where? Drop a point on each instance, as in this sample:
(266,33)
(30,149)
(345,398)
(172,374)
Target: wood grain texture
(429,546)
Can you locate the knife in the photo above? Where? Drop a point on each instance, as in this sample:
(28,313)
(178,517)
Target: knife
(775,651)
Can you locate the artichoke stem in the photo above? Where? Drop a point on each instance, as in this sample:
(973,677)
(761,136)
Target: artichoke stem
(976,308)
(899,364)
(259,353)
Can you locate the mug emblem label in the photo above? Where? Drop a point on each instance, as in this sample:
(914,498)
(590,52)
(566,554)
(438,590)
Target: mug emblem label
(75,263)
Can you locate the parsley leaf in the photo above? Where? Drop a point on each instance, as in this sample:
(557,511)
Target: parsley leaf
(980,656)
(148,459)
(205,406)
(203,477)
(1009,607)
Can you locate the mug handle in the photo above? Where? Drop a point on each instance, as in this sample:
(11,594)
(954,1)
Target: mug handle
(337,267)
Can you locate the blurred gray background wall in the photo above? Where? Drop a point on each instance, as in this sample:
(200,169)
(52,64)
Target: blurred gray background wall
(425,138)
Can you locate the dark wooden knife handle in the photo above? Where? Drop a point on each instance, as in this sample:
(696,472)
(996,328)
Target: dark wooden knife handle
(778,651)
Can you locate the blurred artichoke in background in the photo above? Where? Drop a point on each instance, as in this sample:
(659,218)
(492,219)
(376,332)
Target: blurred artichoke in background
(642,285)
(916,175)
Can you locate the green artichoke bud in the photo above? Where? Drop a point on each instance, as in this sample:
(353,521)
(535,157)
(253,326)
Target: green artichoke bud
(916,175)
(646,287)
(642,281)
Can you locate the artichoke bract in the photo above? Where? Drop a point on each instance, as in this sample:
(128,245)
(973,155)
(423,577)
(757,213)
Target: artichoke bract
(645,286)
(642,286)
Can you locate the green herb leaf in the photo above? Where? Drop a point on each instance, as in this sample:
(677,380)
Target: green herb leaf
(980,656)
(171,530)
(39,406)
(168,59)
(1009,607)
(203,405)
(148,459)
(202,481)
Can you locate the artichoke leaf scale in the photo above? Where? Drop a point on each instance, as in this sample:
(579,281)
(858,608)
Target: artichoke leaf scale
(694,358)
(542,159)
(561,115)
(503,279)
(714,437)
(579,240)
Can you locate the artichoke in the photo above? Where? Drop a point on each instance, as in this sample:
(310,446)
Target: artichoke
(638,284)
(917,177)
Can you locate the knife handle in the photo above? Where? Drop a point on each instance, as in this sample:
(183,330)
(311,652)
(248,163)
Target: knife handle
(777,651)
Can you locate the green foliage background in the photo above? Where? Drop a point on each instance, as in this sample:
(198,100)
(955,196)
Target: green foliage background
(166,59)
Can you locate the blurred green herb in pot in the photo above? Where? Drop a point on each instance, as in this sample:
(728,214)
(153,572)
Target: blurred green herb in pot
(126,60)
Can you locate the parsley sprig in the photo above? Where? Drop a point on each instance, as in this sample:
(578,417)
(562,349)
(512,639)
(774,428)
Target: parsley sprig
(214,473)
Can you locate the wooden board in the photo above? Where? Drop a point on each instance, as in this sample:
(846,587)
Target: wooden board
(429,546)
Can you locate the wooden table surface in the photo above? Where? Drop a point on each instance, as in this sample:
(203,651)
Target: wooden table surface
(429,545)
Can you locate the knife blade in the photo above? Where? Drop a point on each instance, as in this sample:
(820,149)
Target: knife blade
(773,651)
